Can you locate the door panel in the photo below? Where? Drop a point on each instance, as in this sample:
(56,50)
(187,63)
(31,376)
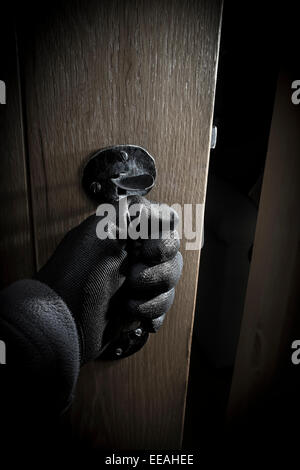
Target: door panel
(16,243)
(99,73)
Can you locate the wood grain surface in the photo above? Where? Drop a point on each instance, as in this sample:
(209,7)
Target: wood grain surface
(272,299)
(99,73)
(16,244)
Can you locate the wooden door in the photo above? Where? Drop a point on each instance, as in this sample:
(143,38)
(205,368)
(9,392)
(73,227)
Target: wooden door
(97,73)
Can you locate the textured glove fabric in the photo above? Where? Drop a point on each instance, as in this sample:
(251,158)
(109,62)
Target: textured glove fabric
(86,272)
(96,277)
(41,345)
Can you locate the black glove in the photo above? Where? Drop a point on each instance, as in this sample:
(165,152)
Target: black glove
(104,280)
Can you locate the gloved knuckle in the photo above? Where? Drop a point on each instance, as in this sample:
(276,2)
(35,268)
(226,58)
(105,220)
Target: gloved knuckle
(152,308)
(163,213)
(161,250)
(156,279)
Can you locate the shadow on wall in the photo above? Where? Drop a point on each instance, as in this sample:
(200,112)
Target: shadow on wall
(230,219)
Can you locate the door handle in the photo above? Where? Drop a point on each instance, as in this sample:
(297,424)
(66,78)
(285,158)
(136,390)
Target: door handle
(111,175)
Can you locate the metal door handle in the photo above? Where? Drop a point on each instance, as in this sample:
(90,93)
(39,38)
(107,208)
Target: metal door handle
(112,174)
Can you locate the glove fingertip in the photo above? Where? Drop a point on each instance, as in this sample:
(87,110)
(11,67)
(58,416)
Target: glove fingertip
(154,325)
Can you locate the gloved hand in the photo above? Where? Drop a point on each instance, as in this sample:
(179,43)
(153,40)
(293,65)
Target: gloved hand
(101,280)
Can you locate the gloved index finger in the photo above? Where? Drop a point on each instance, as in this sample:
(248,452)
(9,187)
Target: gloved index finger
(153,219)
(154,251)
